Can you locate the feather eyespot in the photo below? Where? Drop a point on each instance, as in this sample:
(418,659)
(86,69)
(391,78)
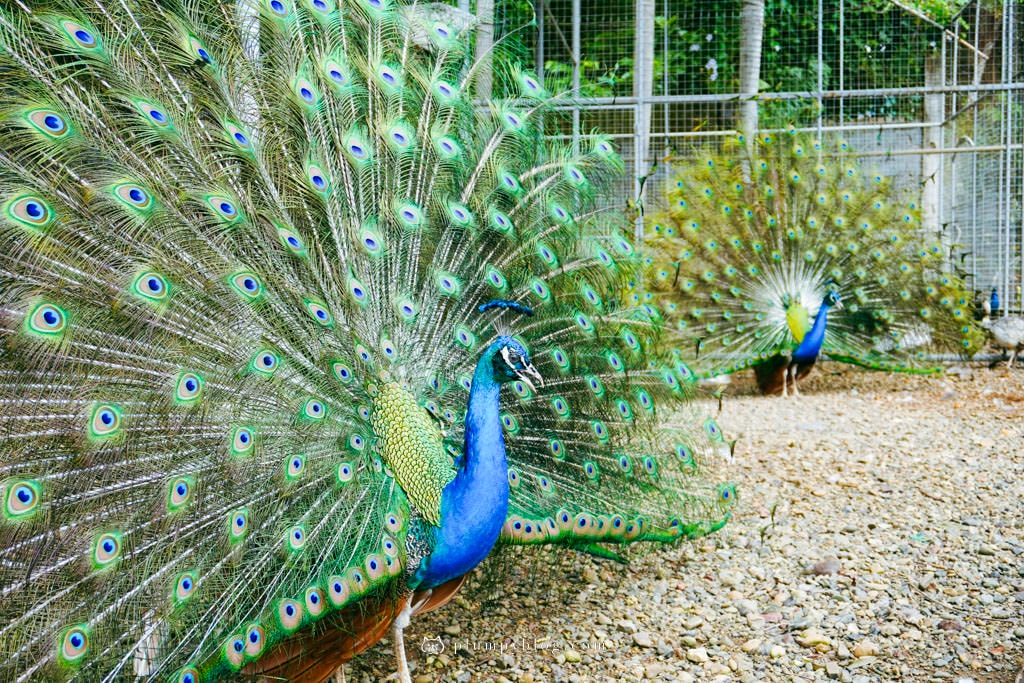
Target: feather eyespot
(49,123)
(295,466)
(255,641)
(106,549)
(247,284)
(152,285)
(47,320)
(187,675)
(31,211)
(314,601)
(199,50)
(242,441)
(346,473)
(225,209)
(445,91)
(105,421)
(314,409)
(74,644)
(338,591)
(184,586)
(22,499)
(179,493)
(500,221)
(393,522)
(154,115)
(81,36)
(265,362)
(296,537)
(319,312)
(291,241)
(289,613)
(234,651)
(238,524)
(375,567)
(342,371)
(133,196)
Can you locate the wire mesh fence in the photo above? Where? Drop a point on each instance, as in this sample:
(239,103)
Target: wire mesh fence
(934,100)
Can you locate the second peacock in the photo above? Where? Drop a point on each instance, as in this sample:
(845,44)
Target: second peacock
(771,255)
(293,331)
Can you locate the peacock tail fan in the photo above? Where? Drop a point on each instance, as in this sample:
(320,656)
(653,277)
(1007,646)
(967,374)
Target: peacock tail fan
(747,246)
(236,237)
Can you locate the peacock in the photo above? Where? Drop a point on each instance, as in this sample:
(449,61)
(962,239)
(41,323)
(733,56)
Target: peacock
(294,331)
(780,249)
(1007,332)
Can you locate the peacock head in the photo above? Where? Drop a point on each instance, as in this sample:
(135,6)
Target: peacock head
(511,361)
(832,299)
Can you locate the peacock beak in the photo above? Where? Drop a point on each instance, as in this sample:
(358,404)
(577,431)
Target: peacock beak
(532,372)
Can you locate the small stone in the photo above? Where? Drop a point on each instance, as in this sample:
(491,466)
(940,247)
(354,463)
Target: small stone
(685,677)
(827,567)
(843,652)
(603,619)
(812,638)
(689,641)
(453,629)
(986,549)
(424,678)
(590,576)
(865,648)
(654,670)
(833,670)
(526,677)
(751,645)
(626,626)
(571,656)
(643,639)
(693,623)
(745,607)
(697,655)
(730,578)
(776,651)
(716,669)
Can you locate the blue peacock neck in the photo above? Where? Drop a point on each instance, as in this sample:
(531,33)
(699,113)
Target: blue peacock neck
(810,347)
(474,505)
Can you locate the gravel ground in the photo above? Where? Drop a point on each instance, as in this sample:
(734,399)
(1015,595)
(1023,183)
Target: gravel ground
(879,537)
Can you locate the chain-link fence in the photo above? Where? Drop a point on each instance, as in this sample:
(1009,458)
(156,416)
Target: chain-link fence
(934,99)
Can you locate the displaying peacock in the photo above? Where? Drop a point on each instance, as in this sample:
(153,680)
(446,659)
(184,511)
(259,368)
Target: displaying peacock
(768,259)
(267,268)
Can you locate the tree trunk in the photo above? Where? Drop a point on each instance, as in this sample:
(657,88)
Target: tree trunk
(643,88)
(751,31)
(484,46)
(931,164)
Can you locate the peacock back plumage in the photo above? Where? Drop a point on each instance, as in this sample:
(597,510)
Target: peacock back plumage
(748,246)
(246,251)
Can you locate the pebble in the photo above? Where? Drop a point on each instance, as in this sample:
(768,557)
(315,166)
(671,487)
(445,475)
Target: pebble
(865,648)
(697,655)
(643,639)
(827,567)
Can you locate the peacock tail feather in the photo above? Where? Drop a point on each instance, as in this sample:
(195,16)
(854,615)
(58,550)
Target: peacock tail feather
(245,250)
(747,247)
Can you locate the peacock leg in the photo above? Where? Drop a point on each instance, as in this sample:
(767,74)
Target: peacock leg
(339,675)
(401,621)
(785,379)
(796,392)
